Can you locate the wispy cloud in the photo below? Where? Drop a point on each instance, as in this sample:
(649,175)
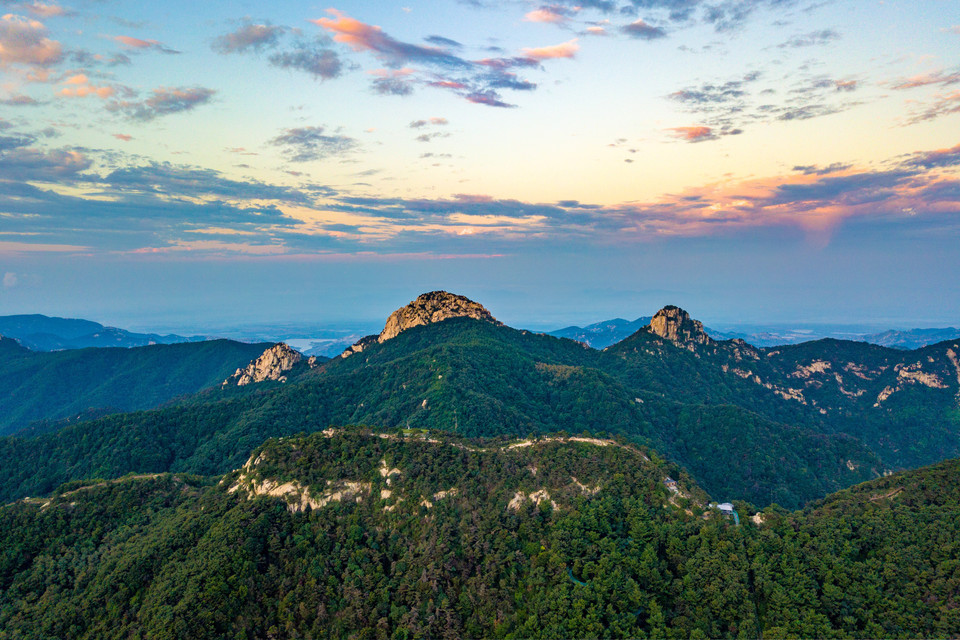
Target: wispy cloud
(439,66)
(564,50)
(164,101)
(311,56)
(551,14)
(365,37)
(19,100)
(249,37)
(811,39)
(643,30)
(144,45)
(940,105)
(730,107)
(305,144)
(941,77)
(419,124)
(317,60)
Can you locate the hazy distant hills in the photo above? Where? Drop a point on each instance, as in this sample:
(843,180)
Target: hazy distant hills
(44,333)
(913,338)
(59,385)
(603,334)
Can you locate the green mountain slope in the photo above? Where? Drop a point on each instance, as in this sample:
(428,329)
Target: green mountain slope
(461,376)
(352,533)
(51,386)
(786,425)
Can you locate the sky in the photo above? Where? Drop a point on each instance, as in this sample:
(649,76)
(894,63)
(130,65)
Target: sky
(216,163)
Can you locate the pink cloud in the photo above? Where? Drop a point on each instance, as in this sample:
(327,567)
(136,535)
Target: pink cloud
(123,136)
(545,14)
(448,84)
(7,247)
(924,79)
(693,134)
(565,50)
(25,41)
(46,10)
(942,105)
(137,43)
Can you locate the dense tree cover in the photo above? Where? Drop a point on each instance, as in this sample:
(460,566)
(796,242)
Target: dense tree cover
(739,438)
(36,386)
(619,555)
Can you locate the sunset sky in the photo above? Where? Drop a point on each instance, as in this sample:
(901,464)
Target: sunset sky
(168,164)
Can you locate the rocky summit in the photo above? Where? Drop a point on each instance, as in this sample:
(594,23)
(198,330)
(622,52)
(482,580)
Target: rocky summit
(674,324)
(271,365)
(428,308)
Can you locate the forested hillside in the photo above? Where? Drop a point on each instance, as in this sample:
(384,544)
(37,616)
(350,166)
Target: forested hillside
(62,384)
(426,535)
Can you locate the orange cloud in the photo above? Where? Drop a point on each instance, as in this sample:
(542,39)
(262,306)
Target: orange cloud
(123,136)
(565,50)
(136,43)
(693,134)
(545,15)
(82,88)
(359,35)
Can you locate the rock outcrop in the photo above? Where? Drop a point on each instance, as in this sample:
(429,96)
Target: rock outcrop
(674,324)
(271,365)
(428,308)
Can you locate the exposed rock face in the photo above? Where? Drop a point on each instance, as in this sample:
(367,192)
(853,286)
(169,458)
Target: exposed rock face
(674,324)
(428,308)
(271,365)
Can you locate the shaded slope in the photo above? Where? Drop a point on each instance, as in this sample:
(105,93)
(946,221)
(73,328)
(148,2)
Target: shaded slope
(51,386)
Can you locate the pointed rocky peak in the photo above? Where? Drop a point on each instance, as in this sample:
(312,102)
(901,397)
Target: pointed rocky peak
(674,324)
(271,365)
(428,308)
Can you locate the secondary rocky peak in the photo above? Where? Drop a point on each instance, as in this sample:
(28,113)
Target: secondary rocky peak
(428,308)
(271,365)
(674,324)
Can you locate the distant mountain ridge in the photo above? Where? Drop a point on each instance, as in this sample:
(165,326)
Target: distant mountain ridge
(45,333)
(601,335)
(52,386)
